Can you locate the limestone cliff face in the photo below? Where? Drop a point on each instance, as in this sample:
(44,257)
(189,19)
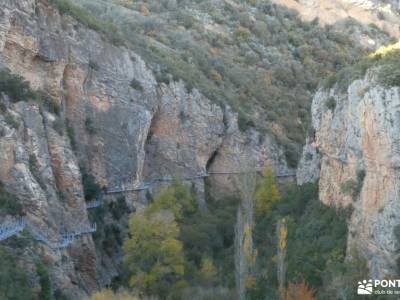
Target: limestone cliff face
(358,141)
(127,128)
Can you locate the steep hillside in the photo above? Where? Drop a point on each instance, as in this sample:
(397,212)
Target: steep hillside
(95,117)
(104,103)
(356,143)
(257,57)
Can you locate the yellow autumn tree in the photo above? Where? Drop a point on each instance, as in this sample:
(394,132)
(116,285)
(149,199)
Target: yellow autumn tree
(267,193)
(207,273)
(153,253)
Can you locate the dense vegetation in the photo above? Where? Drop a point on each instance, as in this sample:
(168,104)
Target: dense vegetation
(315,246)
(14,284)
(176,250)
(258,57)
(386,60)
(9,204)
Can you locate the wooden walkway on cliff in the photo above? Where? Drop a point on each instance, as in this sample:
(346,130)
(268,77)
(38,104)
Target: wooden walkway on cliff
(148,184)
(14,227)
(63,240)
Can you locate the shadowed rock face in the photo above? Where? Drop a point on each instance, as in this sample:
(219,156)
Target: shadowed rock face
(361,135)
(124,131)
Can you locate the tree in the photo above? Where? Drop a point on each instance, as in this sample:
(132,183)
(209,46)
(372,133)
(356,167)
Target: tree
(267,193)
(14,284)
(176,198)
(245,254)
(154,255)
(208,273)
(282,232)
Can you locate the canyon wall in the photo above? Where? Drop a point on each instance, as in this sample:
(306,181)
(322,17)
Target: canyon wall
(115,121)
(356,144)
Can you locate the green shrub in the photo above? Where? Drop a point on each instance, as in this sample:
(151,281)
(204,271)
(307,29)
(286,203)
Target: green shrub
(244,122)
(15,87)
(348,187)
(12,121)
(118,208)
(108,29)
(389,73)
(91,189)
(66,7)
(89,126)
(317,236)
(396,233)
(59,295)
(135,84)
(9,204)
(59,126)
(34,169)
(50,104)
(353,187)
(93,65)
(14,280)
(331,103)
(242,33)
(71,136)
(44,279)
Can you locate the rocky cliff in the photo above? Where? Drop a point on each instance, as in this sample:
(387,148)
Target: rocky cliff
(356,144)
(114,120)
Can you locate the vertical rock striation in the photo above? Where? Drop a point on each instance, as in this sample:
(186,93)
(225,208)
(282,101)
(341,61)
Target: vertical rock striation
(358,143)
(115,121)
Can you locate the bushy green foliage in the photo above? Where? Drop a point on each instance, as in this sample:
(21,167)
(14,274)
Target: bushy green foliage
(118,208)
(34,169)
(12,121)
(353,187)
(317,237)
(49,103)
(91,189)
(15,87)
(267,194)
(89,126)
(106,28)
(9,204)
(203,239)
(14,284)
(44,279)
(135,84)
(386,59)
(153,253)
(331,103)
(210,235)
(347,187)
(176,199)
(389,72)
(71,136)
